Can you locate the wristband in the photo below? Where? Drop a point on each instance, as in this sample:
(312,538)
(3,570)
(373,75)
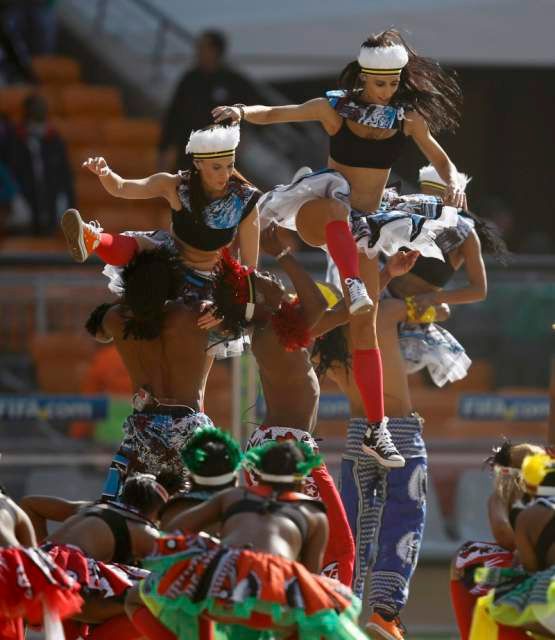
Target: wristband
(241,108)
(284,253)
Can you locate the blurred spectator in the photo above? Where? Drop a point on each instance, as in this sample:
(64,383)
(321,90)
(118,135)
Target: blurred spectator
(15,60)
(207,84)
(40,165)
(14,211)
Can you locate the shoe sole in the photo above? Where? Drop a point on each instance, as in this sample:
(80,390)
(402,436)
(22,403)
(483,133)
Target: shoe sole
(377,633)
(362,307)
(71,224)
(390,464)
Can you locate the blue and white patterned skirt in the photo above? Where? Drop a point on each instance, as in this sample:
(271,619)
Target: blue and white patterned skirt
(408,225)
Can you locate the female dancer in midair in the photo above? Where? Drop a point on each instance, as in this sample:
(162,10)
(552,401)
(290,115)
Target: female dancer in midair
(390,93)
(211,204)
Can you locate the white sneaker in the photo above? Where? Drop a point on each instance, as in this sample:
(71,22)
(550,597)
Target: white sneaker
(82,237)
(360,302)
(378,444)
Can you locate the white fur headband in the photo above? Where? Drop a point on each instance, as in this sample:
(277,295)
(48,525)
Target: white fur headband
(383,61)
(428,175)
(216,142)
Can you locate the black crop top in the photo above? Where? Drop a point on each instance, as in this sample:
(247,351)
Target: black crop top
(209,226)
(354,151)
(434,271)
(118,526)
(274,506)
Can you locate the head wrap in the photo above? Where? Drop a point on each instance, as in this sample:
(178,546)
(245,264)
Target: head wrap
(254,459)
(383,61)
(193,456)
(214,142)
(535,469)
(429,176)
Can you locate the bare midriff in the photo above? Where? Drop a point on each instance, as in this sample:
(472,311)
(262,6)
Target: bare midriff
(367,185)
(193,258)
(410,285)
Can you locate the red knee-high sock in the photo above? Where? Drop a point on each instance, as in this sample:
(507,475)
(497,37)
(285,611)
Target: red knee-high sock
(150,626)
(119,627)
(367,369)
(116,249)
(341,546)
(342,248)
(463,603)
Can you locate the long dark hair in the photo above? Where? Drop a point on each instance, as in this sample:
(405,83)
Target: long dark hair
(149,280)
(490,238)
(424,86)
(329,348)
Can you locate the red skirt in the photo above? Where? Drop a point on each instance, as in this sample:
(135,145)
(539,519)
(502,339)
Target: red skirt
(475,554)
(31,582)
(106,579)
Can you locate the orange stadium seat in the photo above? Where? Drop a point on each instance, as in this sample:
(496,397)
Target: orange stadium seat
(57,70)
(129,162)
(11,101)
(79,132)
(141,132)
(32,244)
(90,101)
(61,360)
(480,377)
(91,194)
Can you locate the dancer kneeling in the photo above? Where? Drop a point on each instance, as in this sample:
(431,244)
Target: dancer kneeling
(261,575)
(504,506)
(212,458)
(523,598)
(32,587)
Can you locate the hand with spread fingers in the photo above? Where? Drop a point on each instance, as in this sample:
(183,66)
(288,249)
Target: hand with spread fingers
(98,166)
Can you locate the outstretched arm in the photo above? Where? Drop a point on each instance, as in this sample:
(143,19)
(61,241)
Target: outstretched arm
(417,127)
(474,291)
(313,303)
(318,110)
(40,509)
(159,185)
(199,517)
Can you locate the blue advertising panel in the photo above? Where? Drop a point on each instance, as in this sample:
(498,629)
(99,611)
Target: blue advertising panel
(52,407)
(485,406)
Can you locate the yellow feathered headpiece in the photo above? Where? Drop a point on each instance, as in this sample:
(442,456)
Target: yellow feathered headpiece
(534,470)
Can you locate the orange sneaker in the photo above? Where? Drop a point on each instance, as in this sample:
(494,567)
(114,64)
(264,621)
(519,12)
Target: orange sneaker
(381,629)
(82,237)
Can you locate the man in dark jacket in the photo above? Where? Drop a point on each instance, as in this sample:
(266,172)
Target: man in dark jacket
(207,84)
(40,166)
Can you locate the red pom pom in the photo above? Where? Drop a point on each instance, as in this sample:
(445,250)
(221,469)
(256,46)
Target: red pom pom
(290,326)
(236,276)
